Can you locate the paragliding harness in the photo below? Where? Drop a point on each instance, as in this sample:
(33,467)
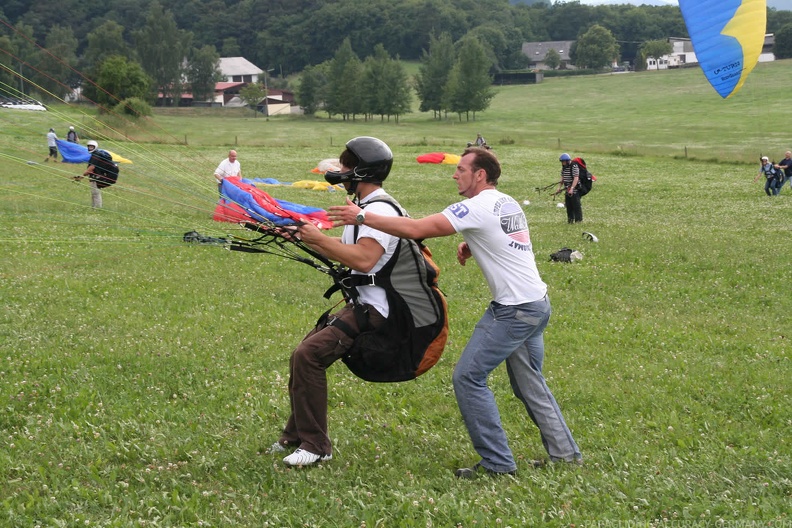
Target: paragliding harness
(413,336)
(105,171)
(585,178)
(772,172)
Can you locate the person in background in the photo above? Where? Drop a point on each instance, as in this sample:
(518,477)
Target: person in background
(228,167)
(90,172)
(480,142)
(766,169)
(71,136)
(52,139)
(495,233)
(570,176)
(785,165)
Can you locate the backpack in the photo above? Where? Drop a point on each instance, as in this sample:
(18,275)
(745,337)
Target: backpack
(105,169)
(585,178)
(566,255)
(414,335)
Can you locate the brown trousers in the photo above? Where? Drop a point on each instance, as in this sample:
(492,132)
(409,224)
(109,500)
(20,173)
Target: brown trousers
(323,346)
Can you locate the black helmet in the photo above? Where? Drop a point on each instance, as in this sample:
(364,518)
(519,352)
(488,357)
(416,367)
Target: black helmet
(374,162)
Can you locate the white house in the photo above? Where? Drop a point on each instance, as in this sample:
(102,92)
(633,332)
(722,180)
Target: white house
(239,69)
(683,54)
(537,51)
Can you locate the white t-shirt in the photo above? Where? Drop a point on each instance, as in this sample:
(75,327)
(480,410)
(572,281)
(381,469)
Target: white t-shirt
(496,231)
(226,168)
(374,295)
(51,137)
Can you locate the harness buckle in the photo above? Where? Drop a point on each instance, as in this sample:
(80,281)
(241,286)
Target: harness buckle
(351,281)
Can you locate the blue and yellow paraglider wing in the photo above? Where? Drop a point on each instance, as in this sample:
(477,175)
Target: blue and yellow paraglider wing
(727,36)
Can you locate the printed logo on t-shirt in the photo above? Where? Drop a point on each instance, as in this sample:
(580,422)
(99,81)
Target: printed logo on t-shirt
(512,220)
(459,210)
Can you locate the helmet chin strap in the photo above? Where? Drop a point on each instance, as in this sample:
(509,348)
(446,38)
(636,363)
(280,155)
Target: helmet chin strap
(353,187)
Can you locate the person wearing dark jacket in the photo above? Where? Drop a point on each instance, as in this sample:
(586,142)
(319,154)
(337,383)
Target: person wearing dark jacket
(570,176)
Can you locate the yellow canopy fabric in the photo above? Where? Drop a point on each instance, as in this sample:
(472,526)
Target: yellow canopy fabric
(117,158)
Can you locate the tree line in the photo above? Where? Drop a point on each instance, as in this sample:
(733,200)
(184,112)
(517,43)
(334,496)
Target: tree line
(451,79)
(162,44)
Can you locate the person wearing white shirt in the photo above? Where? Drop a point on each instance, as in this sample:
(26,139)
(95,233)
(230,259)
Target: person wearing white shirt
(228,167)
(495,232)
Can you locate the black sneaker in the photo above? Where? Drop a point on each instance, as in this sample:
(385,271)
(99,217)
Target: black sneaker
(473,472)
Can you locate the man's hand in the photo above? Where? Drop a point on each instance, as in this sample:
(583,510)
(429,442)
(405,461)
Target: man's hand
(344,214)
(309,233)
(290,233)
(463,253)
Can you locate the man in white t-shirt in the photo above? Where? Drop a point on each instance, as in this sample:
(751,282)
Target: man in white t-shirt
(495,232)
(228,167)
(52,144)
(365,163)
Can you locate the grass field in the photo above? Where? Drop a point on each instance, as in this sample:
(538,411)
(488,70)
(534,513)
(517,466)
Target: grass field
(141,378)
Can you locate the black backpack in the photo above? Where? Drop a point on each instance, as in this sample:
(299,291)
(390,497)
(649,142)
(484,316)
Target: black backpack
(414,335)
(105,169)
(585,178)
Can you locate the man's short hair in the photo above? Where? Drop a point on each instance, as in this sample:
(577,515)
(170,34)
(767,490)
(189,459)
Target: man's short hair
(348,159)
(485,159)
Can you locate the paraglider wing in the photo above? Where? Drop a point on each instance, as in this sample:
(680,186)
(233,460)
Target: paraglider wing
(727,36)
(76,153)
(245,202)
(431,157)
(438,157)
(73,152)
(117,158)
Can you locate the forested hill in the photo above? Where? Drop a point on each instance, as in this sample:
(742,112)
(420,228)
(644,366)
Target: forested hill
(287,35)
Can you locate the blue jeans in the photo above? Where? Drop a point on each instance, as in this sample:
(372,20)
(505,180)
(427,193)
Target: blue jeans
(514,334)
(772,186)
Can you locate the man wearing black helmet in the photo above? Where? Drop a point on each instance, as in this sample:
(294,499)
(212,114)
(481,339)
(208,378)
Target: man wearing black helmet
(365,164)
(570,175)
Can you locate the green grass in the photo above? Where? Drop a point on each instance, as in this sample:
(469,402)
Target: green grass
(141,378)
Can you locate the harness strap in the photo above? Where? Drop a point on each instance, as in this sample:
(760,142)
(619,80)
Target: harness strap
(341,325)
(361,317)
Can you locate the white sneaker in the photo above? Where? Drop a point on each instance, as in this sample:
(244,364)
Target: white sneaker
(301,457)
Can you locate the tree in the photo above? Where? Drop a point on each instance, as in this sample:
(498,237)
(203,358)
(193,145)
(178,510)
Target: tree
(252,94)
(162,48)
(469,87)
(230,47)
(596,49)
(105,41)
(57,63)
(384,89)
(432,77)
(203,72)
(7,66)
(552,59)
(343,94)
(654,49)
(310,92)
(783,43)
(26,57)
(118,78)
